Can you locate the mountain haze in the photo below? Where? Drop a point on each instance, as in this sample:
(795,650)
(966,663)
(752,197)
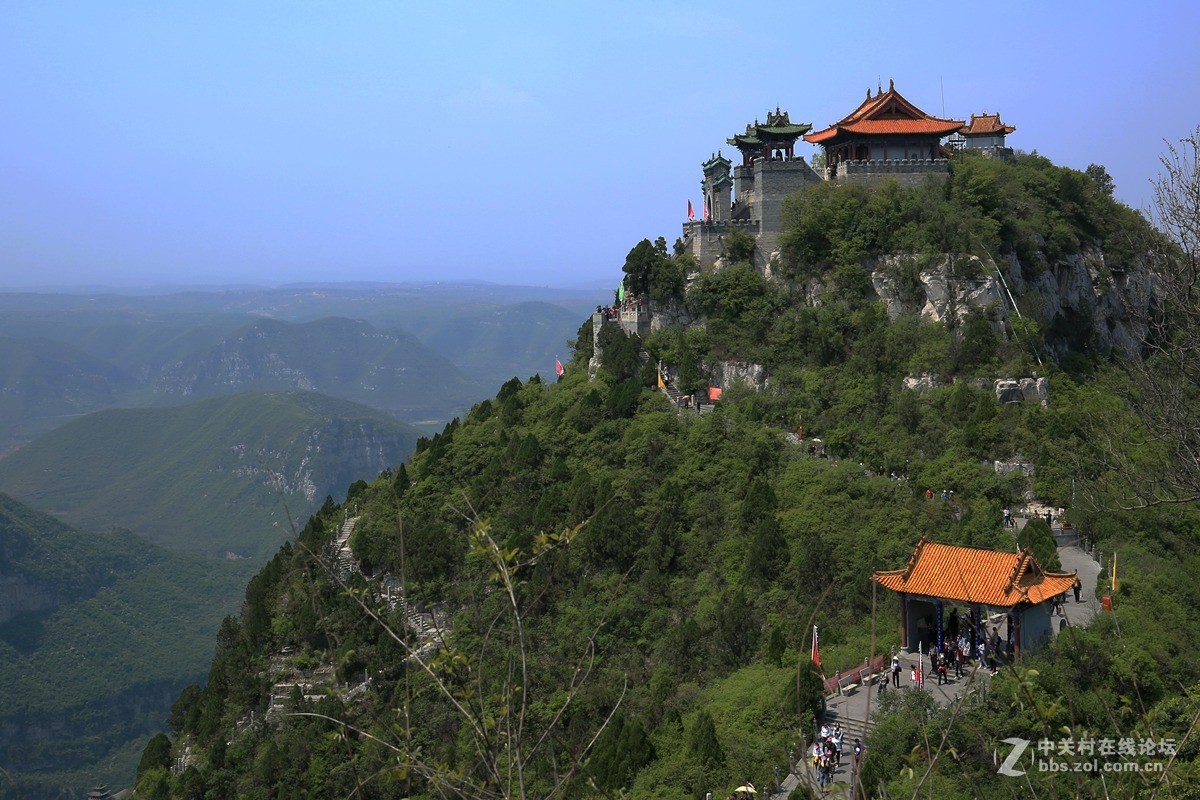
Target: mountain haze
(389,370)
(494,343)
(44,383)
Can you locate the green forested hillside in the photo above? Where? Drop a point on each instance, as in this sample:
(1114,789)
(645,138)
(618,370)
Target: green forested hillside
(708,546)
(211,477)
(630,588)
(53,563)
(98,632)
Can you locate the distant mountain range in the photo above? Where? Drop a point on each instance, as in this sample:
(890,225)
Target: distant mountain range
(428,352)
(212,477)
(98,632)
(388,370)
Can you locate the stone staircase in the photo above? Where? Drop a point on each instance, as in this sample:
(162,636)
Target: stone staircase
(344,563)
(672,390)
(429,626)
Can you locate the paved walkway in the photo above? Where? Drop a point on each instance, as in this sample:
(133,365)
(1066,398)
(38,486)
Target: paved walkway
(1088,607)
(851,709)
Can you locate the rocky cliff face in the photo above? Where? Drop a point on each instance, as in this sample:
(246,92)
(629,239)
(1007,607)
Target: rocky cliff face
(1086,298)
(727,373)
(349,450)
(1078,301)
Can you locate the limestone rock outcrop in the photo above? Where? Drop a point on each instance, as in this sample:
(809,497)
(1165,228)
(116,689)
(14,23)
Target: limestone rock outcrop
(1079,300)
(727,373)
(1023,390)
(924,383)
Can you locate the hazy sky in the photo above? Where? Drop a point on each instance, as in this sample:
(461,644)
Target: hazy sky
(211,142)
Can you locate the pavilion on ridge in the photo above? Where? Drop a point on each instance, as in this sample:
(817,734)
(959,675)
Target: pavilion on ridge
(987,585)
(775,140)
(985,134)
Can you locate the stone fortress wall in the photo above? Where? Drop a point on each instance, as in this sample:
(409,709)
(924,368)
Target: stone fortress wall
(773,181)
(908,171)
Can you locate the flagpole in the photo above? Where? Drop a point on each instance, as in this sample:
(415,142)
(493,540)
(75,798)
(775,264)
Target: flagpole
(920,665)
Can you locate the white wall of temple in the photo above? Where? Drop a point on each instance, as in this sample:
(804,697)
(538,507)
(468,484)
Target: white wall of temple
(895,150)
(984,141)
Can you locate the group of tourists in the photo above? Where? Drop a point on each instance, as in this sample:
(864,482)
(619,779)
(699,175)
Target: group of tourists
(827,752)
(955,655)
(627,302)
(1058,604)
(1048,515)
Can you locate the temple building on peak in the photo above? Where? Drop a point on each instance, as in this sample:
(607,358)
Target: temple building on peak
(886,137)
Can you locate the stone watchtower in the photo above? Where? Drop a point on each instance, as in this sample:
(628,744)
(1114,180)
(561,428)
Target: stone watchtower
(770,170)
(717,185)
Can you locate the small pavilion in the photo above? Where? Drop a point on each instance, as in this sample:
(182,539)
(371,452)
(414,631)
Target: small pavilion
(884,128)
(988,587)
(775,140)
(985,130)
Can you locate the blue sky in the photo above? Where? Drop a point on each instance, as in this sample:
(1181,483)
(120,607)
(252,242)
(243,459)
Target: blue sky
(534,143)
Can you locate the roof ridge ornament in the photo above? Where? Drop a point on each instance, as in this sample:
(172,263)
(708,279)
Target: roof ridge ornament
(916,553)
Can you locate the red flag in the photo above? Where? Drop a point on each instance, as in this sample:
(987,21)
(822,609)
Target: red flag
(558,367)
(706,210)
(691,212)
(816,650)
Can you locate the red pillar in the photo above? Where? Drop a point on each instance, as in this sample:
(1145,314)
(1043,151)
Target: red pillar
(903,621)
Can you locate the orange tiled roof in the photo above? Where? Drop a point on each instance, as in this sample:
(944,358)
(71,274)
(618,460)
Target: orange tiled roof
(972,575)
(886,113)
(883,127)
(986,125)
